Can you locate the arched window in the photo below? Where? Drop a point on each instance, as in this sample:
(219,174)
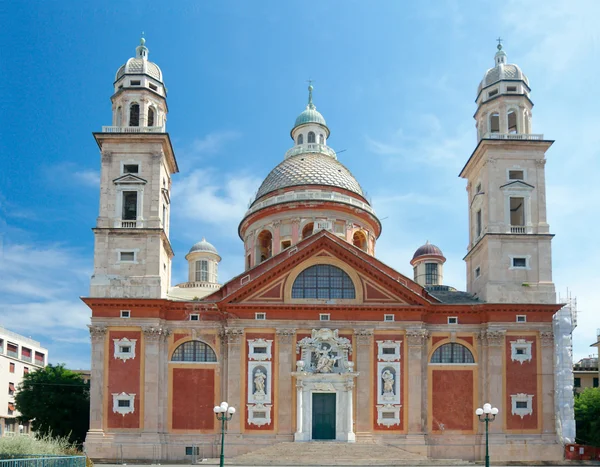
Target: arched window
(119,116)
(495,123)
(321,139)
(134,115)
(300,139)
(512,121)
(311,137)
(323,281)
(452,353)
(359,240)
(194,351)
(265,245)
(307,230)
(151,116)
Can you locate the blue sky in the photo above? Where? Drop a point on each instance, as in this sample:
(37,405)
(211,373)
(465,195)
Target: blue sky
(396,82)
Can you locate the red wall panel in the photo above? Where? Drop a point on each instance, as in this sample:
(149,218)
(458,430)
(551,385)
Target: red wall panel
(193,399)
(521,378)
(452,399)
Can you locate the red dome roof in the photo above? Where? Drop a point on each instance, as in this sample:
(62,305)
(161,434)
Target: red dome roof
(428,250)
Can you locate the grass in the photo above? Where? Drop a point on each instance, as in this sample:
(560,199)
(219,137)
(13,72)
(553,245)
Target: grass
(29,445)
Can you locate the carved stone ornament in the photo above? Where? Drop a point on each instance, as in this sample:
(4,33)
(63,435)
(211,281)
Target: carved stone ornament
(324,352)
(364,336)
(285,336)
(106,156)
(155,333)
(97,333)
(540,162)
(547,338)
(233,335)
(416,337)
(494,338)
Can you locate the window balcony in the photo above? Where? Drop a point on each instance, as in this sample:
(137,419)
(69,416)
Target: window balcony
(39,362)
(514,136)
(12,353)
(25,358)
(129,224)
(133,129)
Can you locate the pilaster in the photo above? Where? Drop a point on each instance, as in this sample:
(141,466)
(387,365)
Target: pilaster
(547,389)
(235,377)
(285,364)
(364,366)
(417,418)
(98,337)
(494,341)
(154,338)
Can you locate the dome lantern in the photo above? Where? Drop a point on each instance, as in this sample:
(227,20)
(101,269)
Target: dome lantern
(310,126)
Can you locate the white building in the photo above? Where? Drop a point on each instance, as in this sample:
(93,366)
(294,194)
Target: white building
(18,356)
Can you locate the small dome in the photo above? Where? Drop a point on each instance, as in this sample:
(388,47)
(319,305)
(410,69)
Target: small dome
(140,65)
(309,169)
(502,71)
(310,116)
(428,250)
(203,245)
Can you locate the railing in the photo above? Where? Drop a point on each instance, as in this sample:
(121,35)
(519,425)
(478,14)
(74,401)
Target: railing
(42,461)
(310,195)
(12,353)
(308,148)
(26,358)
(133,129)
(129,224)
(514,136)
(39,362)
(518,229)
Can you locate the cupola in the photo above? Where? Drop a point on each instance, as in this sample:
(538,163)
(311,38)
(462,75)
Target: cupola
(310,127)
(428,265)
(203,261)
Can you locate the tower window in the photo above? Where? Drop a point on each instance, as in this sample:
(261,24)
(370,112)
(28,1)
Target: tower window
(517,211)
(519,262)
(134,115)
(515,175)
(202,271)
(119,116)
(131,168)
(150,116)
(495,123)
(153,87)
(311,137)
(512,121)
(359,240)
(307,230)
(477,272)
(286,244)
(130,205)
(127,256)
(478,225)
(265,245)
(431,274)
(511,88)
(492,93)
(300,139)
(321,139)
(136,83)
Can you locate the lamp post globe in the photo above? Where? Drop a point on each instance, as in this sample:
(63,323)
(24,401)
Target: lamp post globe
(224,413)
(486,415)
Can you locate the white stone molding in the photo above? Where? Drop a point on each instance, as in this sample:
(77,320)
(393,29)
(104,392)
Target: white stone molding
(388,382)
(416,337)
(124,348)
(260,349)
(388,415)
(97,333)
(520,350)
(383,351)
(259,383)
(122,409)
(259,414)
(324,352)
(522,398)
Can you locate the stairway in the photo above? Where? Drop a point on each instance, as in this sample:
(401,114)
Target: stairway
(335,453)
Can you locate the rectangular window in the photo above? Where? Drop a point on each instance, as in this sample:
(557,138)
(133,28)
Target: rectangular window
(516,175)
(135,82)
(388,317)
(125,314)
(259,414)
(324,317)
(389,351)
(11,367)
(124,349)
(477,272)
(25,354)
(388,415)
(153,87)
(577,382)
(595,383)
(260,350)
(521,318)
(511,88)
(131,168)
(286,244)
(521,404)
(517,211)
(260,316)
(492,93)
(127,256)
(12,350)
(130,199)
(520,351)
(195,317)
(192,450)
(452,320)
(25,370)
(124,402)
(431,273)
(202,271)
(519,262)
(478,225)
(40,358)
(11,389)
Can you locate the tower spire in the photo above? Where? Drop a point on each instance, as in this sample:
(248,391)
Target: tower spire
(500,57)
(310,90)
(141,51)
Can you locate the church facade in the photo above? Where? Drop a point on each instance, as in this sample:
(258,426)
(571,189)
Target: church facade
(318,339)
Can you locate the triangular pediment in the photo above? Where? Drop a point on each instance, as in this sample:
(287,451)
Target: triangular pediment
(271,282)
(517,184)
(129,179)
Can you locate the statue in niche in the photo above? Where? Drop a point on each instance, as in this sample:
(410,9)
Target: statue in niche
(259,383)
(388,383)
(326,360)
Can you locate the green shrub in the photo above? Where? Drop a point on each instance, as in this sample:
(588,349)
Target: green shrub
(27,445)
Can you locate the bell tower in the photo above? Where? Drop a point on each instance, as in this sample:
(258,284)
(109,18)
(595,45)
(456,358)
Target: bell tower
(132,252)
(509,256)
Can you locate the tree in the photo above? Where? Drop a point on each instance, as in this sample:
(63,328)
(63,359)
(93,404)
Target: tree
(587,417)
(57,401)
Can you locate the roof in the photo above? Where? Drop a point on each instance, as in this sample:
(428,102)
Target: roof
(203,245)
(309,169)
(428,250)
(140,65)
(451,296)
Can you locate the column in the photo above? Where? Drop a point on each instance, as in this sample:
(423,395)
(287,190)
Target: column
(299,411)
(364,366)
(295,231)
(276,247)
(546,392)
(285,363)
(153,397)
(417,418)
(235,378)
(494,376)
(350,436)
(98,336)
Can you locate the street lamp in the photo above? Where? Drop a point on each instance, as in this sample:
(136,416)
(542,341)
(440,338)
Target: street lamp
(224,413)
(487,415)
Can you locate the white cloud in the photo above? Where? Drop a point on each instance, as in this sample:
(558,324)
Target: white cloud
(213,143)
(88,177)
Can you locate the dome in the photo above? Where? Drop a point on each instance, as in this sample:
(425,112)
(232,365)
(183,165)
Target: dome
(310,115)
(428,250)
(502,71)
(309,169)
(140,65)
(203,246)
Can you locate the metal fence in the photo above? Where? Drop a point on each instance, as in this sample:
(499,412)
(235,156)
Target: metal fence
(42,461)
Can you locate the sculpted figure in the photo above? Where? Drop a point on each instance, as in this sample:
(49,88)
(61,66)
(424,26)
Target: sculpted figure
(388,382)
(326,361)
(259,383)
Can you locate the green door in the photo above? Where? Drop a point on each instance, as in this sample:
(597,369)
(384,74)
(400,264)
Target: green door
(323,416)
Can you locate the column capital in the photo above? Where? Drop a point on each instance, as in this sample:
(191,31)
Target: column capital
(547,338)
(232,335)
(97,333)
(416,337)
(540,162)
(364,336)
(285,336)
(492,337)
(155,333)
(296,220)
